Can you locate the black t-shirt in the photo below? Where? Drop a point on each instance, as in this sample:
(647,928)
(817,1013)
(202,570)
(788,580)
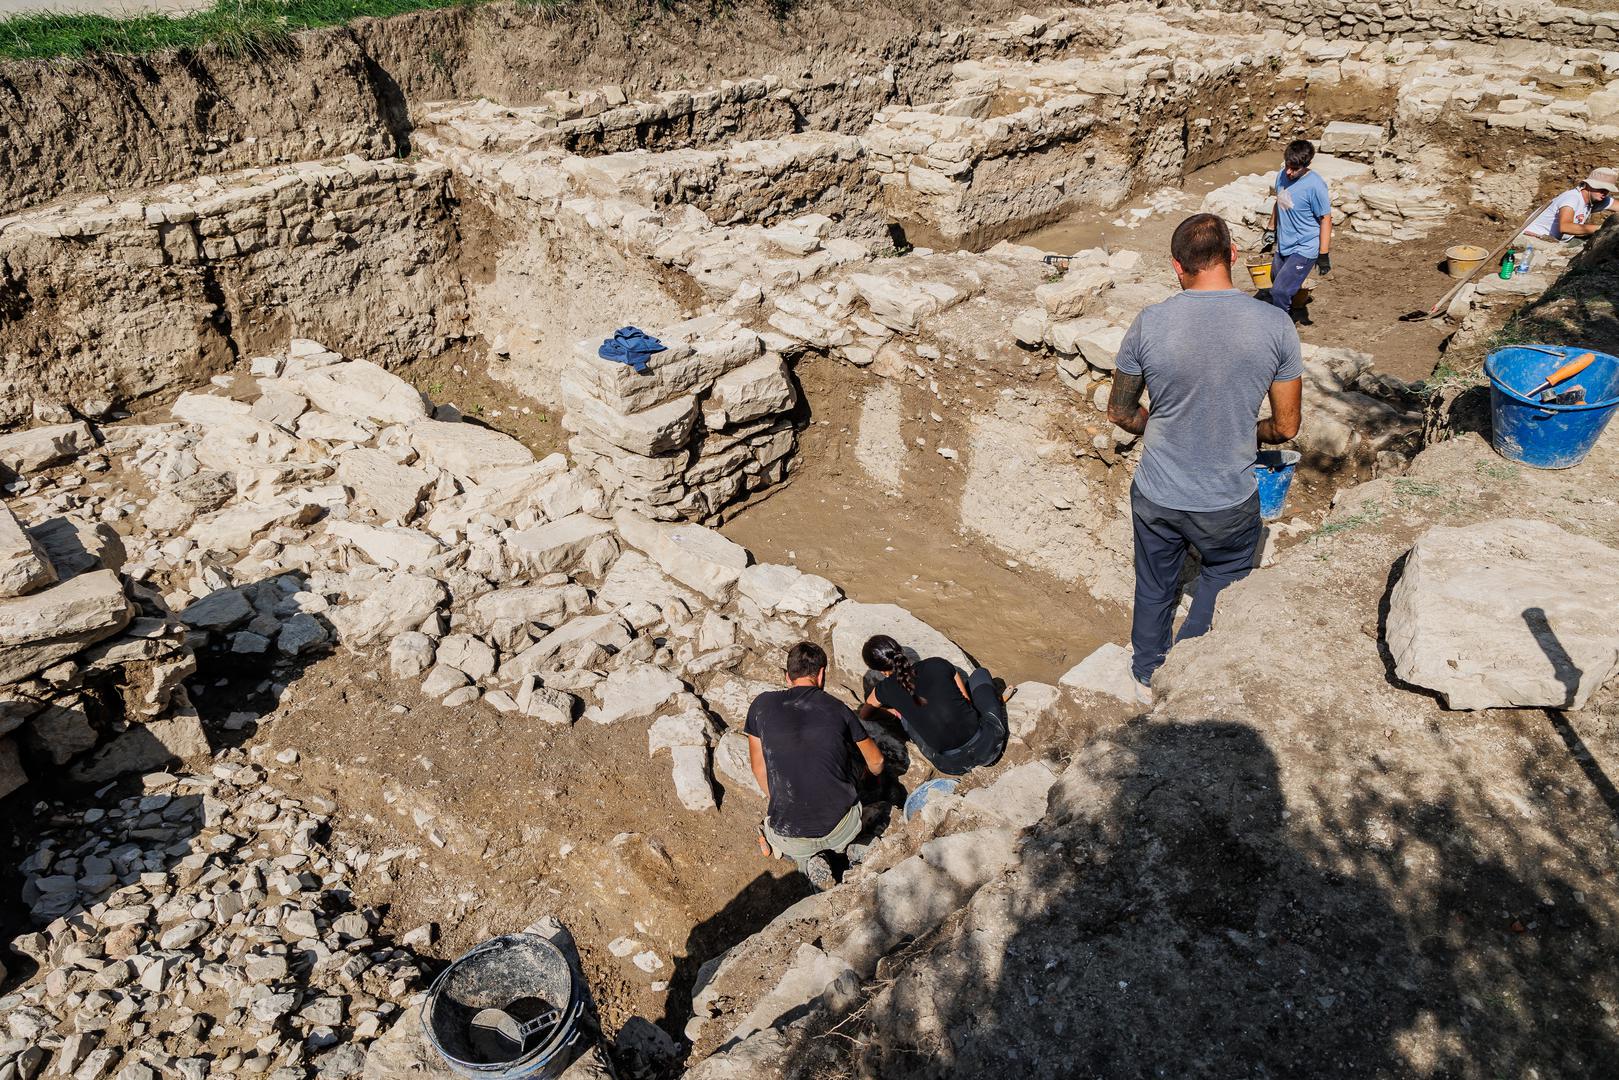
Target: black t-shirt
(808,738)
(948,719)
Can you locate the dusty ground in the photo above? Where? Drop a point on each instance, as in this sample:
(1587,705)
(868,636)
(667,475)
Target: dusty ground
(1357,306)
(889,547)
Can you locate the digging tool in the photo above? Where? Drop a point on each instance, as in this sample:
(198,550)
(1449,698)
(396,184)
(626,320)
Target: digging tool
(1567,371)
(501,1032)
(1493,259)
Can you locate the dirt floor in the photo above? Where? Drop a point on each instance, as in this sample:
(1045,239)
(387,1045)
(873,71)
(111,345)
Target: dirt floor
(833,519)
(1357,306)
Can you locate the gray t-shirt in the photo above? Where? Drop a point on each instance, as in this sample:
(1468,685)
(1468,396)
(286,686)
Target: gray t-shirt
(1209,357)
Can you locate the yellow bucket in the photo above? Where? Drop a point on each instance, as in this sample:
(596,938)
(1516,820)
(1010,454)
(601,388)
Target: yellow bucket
(1463,259)
(1259,272)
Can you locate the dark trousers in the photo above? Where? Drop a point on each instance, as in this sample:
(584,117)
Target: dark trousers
(1287,274)
(1224,539)
(987,744)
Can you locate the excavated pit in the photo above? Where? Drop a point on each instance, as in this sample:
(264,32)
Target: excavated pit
(877,379)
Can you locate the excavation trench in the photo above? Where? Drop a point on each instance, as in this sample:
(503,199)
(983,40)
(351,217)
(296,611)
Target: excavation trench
(941,445)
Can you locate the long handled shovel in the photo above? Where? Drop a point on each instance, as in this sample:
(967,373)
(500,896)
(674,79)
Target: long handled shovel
(1494,257)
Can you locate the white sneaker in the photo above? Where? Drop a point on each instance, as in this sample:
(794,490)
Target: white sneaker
(1143,693)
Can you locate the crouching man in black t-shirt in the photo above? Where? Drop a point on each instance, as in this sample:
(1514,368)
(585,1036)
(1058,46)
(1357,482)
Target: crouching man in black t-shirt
(802,743)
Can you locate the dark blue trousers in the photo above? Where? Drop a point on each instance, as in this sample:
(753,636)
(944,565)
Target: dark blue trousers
(1224,539)
(1287,273)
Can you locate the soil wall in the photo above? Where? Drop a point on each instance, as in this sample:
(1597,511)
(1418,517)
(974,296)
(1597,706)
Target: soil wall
(103,305)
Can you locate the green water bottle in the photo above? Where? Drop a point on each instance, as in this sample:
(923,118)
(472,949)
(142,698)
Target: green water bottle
(1508,261)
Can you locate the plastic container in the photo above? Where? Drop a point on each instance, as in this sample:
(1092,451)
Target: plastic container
(1274,471)
(1463,259)
(1259,272)
(495,975)
(919,798)
(1541,435)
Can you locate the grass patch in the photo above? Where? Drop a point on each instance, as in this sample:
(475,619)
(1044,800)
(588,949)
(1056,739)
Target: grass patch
(1371,514)
(237,27)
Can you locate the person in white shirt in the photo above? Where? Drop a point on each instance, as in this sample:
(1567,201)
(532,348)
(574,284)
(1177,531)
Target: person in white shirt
(1569,215)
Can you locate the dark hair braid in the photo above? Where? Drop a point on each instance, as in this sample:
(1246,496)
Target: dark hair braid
(883,653)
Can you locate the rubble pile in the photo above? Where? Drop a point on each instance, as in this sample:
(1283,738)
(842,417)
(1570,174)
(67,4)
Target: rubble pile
(203,927)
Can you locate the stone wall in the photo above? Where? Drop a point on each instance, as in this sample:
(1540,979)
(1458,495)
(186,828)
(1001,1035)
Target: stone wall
(106,303)
(1472,20)
(709,424)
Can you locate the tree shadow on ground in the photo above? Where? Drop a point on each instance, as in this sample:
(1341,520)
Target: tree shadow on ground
(1172,918)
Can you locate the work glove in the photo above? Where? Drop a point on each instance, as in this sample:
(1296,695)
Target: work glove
(1323,264)
(1268,240)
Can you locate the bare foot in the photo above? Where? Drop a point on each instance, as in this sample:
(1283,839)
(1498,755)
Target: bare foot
(764,846)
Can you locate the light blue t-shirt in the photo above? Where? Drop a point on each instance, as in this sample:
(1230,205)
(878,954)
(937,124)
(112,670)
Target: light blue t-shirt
(1209,357)
(1300,206)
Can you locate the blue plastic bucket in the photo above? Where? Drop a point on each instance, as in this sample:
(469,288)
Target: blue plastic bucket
(494,975)
(1548,436)
(919,798)
(1274,471)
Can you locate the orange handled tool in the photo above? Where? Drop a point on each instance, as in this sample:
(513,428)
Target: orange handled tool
(1567,371)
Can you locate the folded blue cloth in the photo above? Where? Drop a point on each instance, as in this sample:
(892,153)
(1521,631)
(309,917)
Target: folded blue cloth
(631,345)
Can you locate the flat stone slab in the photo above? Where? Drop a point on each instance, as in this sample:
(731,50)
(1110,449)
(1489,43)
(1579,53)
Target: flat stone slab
(39,629)
(1506,613)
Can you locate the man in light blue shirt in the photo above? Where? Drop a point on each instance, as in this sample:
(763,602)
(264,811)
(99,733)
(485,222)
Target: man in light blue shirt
(1300,224)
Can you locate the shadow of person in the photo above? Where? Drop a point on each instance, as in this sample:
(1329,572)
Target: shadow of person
(1169,918)
(748,912)
(1564,668)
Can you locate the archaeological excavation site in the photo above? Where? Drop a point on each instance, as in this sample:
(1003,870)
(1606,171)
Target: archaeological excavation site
(424,438)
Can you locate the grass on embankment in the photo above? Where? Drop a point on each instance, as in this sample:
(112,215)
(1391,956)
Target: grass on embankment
(239,27)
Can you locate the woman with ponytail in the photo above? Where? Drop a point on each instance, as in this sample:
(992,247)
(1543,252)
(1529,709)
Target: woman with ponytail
(957,725)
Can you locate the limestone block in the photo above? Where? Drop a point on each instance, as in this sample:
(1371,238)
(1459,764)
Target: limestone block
(606,630)
(556,545)
(219,610)
(60,732)
(467,654)
(1032,703)
(635,578)
(689,727)
(1486,615)
(633,693)
(388,545)
(145,747)
(381,485)
(279,407)
(466,449)
(699,351)
(1105,671)
(410,654)
(655,430)
(43,627)
(1067,298)
(851,623)
(209,410)
(730,697)
(694,785)
(691,554)
(806,978)
(23,452)
(734,764)
(897,305)
(359,389)
(236,527)
(1018,796)
(754,390)
(1030,327)
(1343,137)
(24,565)
(548,604)
(402,602)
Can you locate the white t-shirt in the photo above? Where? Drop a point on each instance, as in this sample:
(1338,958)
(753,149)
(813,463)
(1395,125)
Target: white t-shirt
(1574,199)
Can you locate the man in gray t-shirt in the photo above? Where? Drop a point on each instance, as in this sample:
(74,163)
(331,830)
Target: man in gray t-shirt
(1207,358)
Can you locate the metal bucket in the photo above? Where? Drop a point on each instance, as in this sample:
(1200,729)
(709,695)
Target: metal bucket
(495,975)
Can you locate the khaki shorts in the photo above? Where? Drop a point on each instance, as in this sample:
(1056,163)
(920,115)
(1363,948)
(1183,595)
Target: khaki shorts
(801,849)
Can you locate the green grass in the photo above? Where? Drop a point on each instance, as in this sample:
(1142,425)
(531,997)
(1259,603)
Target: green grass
(237,27)
(1371,514)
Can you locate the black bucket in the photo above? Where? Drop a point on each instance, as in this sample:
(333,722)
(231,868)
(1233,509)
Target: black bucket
(523,974)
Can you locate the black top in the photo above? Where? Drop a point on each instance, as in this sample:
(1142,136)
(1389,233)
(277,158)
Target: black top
(808,738)
(948,719)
